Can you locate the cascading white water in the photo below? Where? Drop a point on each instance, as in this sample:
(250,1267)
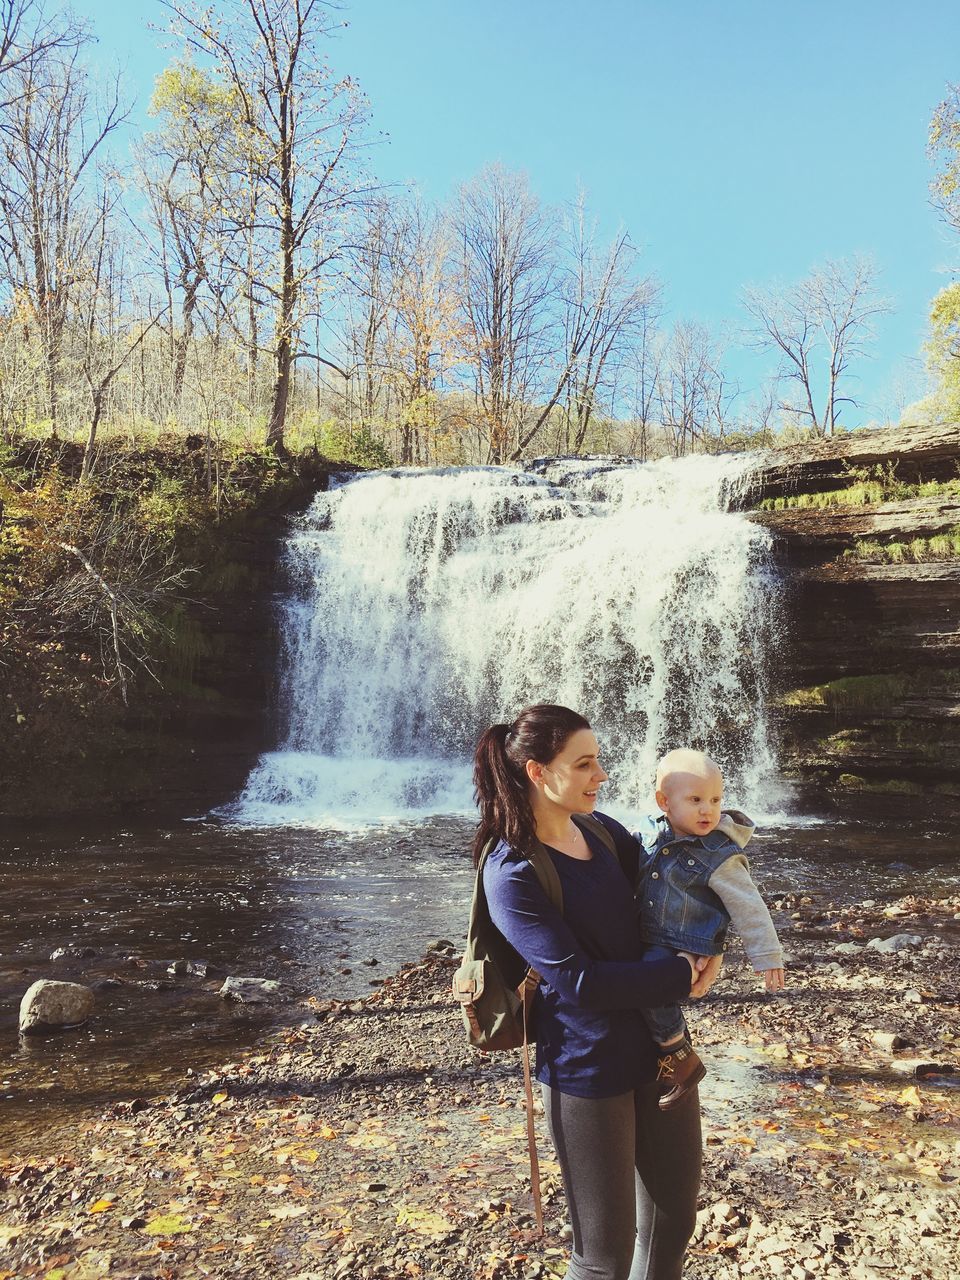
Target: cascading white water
(426,605)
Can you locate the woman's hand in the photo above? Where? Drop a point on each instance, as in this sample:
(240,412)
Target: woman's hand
(706,971)
(694,971)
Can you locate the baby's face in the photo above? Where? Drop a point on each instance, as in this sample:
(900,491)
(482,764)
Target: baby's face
(692,801)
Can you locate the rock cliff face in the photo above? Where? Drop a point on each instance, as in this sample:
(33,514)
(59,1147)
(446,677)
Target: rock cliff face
(868,683)
(187,743)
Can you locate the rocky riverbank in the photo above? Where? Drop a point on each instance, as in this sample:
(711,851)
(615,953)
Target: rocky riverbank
(369,1143)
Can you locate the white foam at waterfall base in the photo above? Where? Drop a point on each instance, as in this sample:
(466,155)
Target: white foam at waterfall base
(297,788)
(425,605)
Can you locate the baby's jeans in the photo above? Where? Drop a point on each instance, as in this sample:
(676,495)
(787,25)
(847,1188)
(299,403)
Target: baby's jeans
(666,1022)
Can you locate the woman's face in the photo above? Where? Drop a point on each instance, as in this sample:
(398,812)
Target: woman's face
(572,778)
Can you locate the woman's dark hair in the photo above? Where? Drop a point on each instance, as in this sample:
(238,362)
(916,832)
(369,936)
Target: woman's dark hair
(500,781)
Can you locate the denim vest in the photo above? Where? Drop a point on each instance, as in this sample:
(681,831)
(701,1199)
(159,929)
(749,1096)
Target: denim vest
(676,905)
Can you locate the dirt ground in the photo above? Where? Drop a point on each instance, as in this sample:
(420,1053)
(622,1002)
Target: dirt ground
(370,1143)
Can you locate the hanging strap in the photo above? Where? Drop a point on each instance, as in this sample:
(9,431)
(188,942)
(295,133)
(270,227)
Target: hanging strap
(526,991)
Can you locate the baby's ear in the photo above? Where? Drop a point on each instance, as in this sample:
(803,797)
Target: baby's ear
(661,798)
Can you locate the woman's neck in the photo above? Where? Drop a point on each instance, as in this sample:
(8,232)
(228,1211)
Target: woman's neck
(552,824)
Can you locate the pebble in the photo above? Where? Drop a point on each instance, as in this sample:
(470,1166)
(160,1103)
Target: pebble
(898,942)
(889,1041)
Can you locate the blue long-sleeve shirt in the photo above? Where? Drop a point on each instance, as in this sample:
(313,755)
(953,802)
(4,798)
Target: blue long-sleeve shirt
(591,1040)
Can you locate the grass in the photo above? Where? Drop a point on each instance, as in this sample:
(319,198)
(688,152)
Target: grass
(941,546)
(867,487)
(864,693)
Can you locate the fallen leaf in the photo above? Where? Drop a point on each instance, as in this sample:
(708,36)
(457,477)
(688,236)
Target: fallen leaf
(168,1224)
(219,1097)
(910,1097)
(100,1206)
(283,1211)
(423,1221)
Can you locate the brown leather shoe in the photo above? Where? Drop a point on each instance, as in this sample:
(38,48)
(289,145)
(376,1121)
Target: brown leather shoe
(682,1070)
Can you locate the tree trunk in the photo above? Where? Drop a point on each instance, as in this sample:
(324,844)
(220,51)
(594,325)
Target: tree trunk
(284,348)
(182,343)
(87,465)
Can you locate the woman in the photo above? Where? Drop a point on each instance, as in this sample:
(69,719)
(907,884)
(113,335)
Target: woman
(631,1171)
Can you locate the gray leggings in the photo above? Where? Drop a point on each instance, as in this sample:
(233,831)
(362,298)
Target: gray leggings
(631,1173)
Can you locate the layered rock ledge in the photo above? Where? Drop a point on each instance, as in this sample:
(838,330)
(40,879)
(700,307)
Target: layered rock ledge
(867,683)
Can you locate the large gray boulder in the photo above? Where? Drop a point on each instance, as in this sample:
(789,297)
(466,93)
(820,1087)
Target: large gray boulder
(51,1006)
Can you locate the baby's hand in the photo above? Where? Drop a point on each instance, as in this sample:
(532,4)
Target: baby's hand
(772,979)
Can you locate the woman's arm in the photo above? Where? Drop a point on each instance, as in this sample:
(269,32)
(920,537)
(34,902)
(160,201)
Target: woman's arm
(537,931)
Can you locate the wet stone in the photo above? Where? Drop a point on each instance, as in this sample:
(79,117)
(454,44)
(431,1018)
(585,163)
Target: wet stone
(898,942)
(52,1006)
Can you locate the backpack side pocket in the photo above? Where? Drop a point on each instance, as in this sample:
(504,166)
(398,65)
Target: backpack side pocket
(491,1010)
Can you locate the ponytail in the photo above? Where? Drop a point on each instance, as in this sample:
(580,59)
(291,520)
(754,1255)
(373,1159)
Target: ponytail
(501,785)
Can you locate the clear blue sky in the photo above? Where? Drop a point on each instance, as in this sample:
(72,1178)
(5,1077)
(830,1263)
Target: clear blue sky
(739,143)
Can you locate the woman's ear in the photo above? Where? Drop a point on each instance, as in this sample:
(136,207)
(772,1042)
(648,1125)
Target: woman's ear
(534,772)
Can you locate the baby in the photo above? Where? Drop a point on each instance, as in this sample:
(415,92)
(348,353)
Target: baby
(693,883)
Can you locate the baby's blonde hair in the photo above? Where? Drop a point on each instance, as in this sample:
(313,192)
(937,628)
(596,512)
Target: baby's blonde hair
(685,760)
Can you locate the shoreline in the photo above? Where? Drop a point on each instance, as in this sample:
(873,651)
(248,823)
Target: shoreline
(370,1143)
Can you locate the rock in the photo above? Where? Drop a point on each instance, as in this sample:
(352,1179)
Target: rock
(920,1068)
(250,990)
(52,1006)
(848,948)
(771,1245)
(177,969)
(924,1069)
(722,1211)
(899,942)
(889,1041)
(841,526)
(442,945)
(72,952)
(204,969)
(922,453)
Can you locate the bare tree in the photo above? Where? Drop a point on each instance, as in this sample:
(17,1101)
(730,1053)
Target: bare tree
(691,390)
(606,309)
(27,34)
(372,274)
(300,128)
(818,328)
(52,133)
(944,150)
(643,374)
(426,328)
(111,327)
(187,167)
(505,245)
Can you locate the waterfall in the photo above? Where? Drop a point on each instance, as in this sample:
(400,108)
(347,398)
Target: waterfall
(425,605)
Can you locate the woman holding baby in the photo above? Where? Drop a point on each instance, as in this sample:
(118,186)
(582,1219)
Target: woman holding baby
(631,1170)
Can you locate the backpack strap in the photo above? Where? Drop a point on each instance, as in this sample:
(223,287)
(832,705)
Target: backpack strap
(587,822)
(546,874)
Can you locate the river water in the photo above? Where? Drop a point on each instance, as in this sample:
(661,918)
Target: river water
(420,609)
(309,908)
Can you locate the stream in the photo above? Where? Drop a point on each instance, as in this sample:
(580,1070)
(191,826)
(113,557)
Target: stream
(327,913)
